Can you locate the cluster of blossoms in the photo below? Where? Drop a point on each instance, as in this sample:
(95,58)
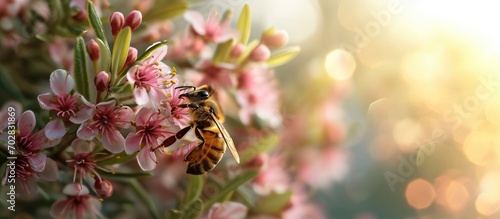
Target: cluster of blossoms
(125,105)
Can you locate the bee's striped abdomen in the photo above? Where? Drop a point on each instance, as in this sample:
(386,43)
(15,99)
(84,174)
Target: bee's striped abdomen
(206,155)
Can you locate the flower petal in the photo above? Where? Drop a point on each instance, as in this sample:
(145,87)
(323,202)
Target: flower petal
(45,101)
(106,106)
(85,112)
(80,146)
(159,53)
(146,159)
(132,143)
(86,131)
(123,116)
(196,20)
(75,189)
(55,129)
(37,162)
(26,123)
(51,172)
(113,141)
(60,209)
(228,210)
(141,96)
(61,82)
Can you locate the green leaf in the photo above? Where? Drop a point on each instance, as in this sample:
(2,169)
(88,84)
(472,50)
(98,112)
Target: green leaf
(77,30)
(117,158)
(283,57)
(120,52)
(80,68)
(104,56)
(163,10)
(261,146)
(273,204)
(144,197)
(96,23)
(244,24)
(222,51)
(9,88)
(194,190)
(248,50)
(194,210)
(173,214)
(231,186)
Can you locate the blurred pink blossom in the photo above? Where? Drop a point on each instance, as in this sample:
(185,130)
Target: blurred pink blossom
(150,77)
(300,207)
(62,54)
(227,210)
(332,163)
(107,118)
(186,46)
(152,128)
(212,30)
(273,177)
(67,107)
(216,75)
(78,204)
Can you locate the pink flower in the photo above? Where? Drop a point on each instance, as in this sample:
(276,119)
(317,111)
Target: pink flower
(217,76)
(149,78)
(180,116)
(107,118)
(211,30)
(62,53)
(272,178)
(227,210)
(31,164)
(258,96)
(78,204)
(185,47)
(300,207)
(4,113)
(66,106)
(152,128)
(83,160)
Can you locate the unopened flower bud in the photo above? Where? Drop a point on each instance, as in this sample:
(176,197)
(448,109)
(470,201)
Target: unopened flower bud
(101,81)
(237,50)
(131,56)
(260,54)
(274,38)
(103,187)
(258,161)
(93,50)
(134,19)
(116,21)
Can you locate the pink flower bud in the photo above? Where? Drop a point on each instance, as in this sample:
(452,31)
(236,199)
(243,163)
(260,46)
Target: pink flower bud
(275,39)
(116,21)
(93,50)
(131,56)
(260,54)
(237,50)
(81,15)
(103,187)
(101,81)
(134,19)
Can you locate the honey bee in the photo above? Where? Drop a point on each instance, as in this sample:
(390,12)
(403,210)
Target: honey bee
(207,119)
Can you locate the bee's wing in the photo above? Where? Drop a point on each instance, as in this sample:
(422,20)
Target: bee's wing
(227,138)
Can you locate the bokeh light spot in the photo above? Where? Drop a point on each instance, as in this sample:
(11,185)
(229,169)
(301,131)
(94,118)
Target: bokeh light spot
(340,64)
(420,194)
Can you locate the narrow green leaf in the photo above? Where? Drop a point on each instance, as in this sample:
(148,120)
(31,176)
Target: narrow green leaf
(144,197)
(194,190)
(261,146)
(273,203)
(96,23)
(194,210)
(163,10)
(244,24)
(104,56)
(115,175)
(222,51)
(120,52)
(173,214)
(117,158)
(80,69)
(231,186)
(77,30)
(248,50)
(283,57)
(9,87)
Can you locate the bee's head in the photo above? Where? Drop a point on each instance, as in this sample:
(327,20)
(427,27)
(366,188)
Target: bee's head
(198,94)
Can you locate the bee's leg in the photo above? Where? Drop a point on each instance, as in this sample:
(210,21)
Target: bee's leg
(189,105)
(172,139)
